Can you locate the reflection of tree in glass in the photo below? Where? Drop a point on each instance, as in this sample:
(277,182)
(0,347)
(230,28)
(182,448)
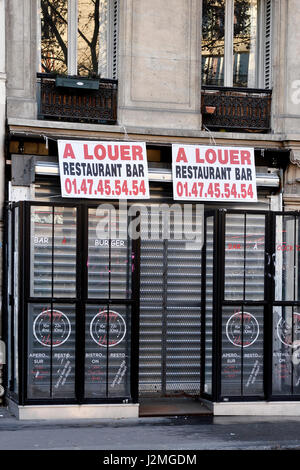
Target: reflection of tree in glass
(242,24)
(213,36)
(213,24)
(54,44)
(88,31)
(213,20)
(54,51)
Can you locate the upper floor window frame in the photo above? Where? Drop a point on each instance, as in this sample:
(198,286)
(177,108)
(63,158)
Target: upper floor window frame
(263,39)
(106,69)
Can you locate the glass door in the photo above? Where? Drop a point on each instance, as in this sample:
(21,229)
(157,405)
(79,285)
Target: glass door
(108,306)
(234,303)
(286,307)
(79,305)
(243,306)
(251,307)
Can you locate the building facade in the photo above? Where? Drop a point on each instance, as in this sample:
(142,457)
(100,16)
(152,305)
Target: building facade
(93,329)
(2,151)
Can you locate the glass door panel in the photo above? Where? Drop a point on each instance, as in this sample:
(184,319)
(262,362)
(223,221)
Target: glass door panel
(109,255)
(53,251)
(242,351)
(241,329)
(51,351)
(286,352)
(107,351)
(287,258)
(244,256)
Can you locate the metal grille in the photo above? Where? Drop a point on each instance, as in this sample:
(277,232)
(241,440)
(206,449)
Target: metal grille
(236,108)
(170,297)
(53,252)
(242,324)
(208,346)
(77,105)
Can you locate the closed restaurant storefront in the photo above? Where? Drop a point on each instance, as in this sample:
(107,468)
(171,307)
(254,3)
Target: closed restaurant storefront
(116,320)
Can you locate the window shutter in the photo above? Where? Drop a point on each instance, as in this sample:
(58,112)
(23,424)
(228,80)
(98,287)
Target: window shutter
(108,36)
(268,44)
(115,37)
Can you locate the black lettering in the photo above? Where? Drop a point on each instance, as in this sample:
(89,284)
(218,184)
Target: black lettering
(107,170)
(224,172)
(101,169)
(66,168)
(95,169)
(141,170)
(83,166)
(78,169)
(72,171)
(113,170)
(88,170)
(135,170)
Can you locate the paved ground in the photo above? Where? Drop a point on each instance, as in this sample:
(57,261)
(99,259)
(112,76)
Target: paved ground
(169,433)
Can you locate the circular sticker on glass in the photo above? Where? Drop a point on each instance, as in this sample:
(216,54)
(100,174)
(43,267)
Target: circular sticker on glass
(242,329)
(104,336)
(288,330)
(61,328)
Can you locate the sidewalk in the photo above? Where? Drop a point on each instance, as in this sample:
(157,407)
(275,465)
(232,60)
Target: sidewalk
(156,433)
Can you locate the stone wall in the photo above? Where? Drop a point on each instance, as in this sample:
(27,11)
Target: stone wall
(159,66)
(21,53)
(286,66)
(2,140)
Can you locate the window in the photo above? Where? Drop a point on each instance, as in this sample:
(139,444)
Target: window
(236,43)
(78,37)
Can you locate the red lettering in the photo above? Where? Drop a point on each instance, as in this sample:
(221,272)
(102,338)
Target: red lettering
(86,153)
(181,156)
(224,159)
(125,152)
(96,152)
(198,159)
(68,151)
(137,151)
(234,157)
(245,157)
(112,156)
(213,157)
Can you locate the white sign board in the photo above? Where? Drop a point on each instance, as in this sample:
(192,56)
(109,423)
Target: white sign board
(103,170)
(202,173)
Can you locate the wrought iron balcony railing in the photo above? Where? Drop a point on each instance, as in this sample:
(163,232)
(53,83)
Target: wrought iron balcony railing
(236,109)
(77,99)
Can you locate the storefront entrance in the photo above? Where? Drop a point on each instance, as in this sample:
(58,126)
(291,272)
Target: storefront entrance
(114,320)
(170,310)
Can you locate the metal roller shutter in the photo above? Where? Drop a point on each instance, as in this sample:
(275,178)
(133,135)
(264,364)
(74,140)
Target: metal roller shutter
(169,313)
(170,303)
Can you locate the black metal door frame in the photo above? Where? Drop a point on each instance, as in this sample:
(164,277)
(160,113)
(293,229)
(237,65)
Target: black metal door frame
(80,301)
(219,302)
